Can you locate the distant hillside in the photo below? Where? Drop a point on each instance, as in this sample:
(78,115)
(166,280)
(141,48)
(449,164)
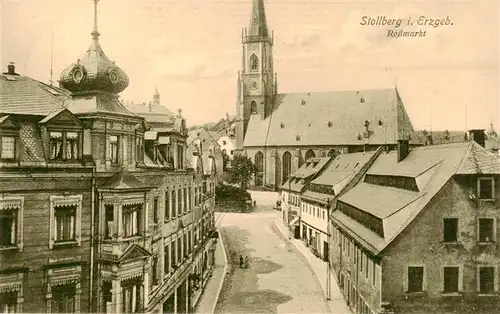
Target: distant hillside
(223,123)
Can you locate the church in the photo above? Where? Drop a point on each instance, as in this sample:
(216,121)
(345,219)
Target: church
(279,132)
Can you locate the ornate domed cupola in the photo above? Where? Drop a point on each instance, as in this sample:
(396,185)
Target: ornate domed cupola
(94,71)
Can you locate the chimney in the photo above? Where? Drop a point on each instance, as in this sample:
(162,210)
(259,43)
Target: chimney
(11,69)
(478,136)
(403,149)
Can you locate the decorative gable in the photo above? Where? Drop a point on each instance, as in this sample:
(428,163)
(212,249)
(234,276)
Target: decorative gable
(6,123)
(134,252)
(61,118)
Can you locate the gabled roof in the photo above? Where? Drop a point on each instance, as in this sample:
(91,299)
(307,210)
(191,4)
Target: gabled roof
(430,166)
(332,118)
(305,173)
(24,95)
(133,252)
(61,115)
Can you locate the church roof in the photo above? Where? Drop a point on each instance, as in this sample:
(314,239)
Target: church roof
(332,118)
(97,103)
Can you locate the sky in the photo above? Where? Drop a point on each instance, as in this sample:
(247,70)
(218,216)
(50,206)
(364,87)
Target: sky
(191,51)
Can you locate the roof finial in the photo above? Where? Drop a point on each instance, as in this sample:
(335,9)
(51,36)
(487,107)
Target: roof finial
(95,33)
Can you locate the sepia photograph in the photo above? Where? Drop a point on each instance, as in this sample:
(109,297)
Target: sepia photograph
(250,156)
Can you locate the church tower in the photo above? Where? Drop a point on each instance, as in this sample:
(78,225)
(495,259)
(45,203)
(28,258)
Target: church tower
(257,81)
(156,97)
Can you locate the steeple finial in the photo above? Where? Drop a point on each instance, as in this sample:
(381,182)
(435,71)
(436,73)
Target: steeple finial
(258,23)
(95,33)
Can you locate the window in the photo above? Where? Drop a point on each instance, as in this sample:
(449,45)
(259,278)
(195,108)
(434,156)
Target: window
(139,149)
(185,200)
(486,280)
(189,199)
(71,145)
(8,227)
(8,145)
(65,221)
(113,149)
(131,220)
(415,279)
(185,245)
(131,297)
(155,209)
(167,207)
(109,223)
(56,145)
(450,229)
(190,243)
(195,236)
(179,250)
(8,302)
(155,270)
(63,299)
(486,230)
(174,204)
(166,260)
(374,273)
(173,259)
(485,187)
(254,63)
(450,279)
(179,202)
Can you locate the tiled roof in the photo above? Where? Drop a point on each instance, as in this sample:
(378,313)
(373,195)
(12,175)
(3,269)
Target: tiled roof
(342,167)
(479,161)
(305,173)
(24,95)
(153,112)
(332,118)
(432,166)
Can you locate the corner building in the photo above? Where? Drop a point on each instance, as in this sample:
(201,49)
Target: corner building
(99,210)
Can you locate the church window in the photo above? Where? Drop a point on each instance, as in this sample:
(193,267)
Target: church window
(330,124)
(309,154)
(282,125)
(297,138)
(303,102)
(287,165)
(253,107)
(254,63)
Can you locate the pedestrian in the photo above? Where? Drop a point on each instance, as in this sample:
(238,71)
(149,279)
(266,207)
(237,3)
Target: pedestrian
(241,261)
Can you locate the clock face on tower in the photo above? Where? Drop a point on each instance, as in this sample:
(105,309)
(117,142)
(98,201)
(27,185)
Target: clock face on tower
(253,85)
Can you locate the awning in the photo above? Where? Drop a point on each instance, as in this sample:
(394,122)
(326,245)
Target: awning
(150,135)
(294,221)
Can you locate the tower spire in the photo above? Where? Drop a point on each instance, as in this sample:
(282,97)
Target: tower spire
(95,33)
(258,23)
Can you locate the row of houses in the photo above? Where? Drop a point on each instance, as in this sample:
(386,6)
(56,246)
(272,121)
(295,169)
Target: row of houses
(409,230)
(101,209)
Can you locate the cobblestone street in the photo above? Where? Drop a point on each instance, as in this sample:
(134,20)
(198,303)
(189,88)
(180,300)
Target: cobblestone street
(279,279)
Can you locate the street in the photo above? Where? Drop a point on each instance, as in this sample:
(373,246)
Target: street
(278,279)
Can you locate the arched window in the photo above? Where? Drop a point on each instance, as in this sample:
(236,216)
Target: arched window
(309,154)
(259,168)
(287,165)
(254,63)
(253,107)
(332,153)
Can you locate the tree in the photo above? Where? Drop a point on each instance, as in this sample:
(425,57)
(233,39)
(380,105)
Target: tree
(241,171)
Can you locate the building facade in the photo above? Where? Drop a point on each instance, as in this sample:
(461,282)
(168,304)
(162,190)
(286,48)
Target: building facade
(417,232)
(280,131)
(100,210)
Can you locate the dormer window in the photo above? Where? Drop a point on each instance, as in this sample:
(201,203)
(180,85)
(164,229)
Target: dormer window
(8,147)
(113,149)
(56,145)
(64,145)
(71,145)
